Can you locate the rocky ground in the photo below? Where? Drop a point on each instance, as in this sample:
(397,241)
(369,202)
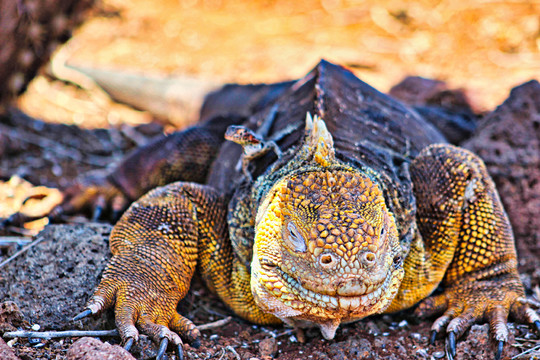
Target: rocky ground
(49,284)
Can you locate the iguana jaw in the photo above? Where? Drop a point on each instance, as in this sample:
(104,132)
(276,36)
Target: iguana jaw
(327,278)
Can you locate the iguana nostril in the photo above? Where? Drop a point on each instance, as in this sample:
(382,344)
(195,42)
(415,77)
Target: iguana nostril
(369,258)
(327,260)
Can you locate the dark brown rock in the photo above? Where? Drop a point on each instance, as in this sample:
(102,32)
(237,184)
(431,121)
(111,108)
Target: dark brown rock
(30,32)
(268,347)
(10,317)
(447,109)
(91,348)
(353,348)
(508,140)
(52,281)
(5,352)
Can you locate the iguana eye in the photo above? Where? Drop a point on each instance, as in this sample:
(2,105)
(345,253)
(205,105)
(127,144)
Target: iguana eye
(383,231)
(294,238)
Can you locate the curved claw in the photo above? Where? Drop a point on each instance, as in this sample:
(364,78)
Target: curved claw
(116,215)
(98,210)
(162,348)
(129,344)
(82,315)
(433,337)
(17,219)
(55,214)
(452,343)
(180,351)
(5,223)
(537,325)
(500,347)
(100,205)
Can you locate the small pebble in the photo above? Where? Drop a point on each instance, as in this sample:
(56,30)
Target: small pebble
(292,339)
(373,329)
(268,347)
(403,323)
(12,342)
(415,336)
(422,353)
(33,341)
(36,327)
(439,354)
(385,333)
(214,337)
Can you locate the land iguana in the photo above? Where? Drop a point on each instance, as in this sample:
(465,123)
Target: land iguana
(340,203)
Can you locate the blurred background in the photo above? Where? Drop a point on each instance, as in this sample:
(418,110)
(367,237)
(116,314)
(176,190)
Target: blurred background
(484,46)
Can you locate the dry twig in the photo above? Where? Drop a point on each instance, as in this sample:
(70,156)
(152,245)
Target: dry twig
(59,334)
(22,251)
(14,240)
(97,333)
(231,349)
(214,324)
(536,348)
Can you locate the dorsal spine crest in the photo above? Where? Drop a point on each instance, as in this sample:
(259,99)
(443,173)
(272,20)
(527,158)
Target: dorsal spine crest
(319,141)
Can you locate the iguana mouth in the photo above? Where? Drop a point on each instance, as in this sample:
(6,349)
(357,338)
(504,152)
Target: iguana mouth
(368,298)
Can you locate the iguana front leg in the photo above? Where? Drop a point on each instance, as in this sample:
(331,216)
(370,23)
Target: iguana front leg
(156,247)
(467,243)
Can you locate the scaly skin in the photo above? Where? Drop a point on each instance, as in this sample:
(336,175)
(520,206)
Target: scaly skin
(466,243)
(330,236)
(326,250)
(326,247)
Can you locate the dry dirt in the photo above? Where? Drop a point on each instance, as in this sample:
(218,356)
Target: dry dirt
(485,47)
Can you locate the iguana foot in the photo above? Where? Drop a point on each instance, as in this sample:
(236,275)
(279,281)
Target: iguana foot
(155,248)
(93,192)
(490,300)
(140,306)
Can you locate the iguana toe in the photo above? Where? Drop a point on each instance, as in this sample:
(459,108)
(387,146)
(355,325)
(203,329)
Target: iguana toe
(521,310)
(433,337)
(451,344)
(500,347)
(129,343)
(99,206)
(162,348)
(83,314)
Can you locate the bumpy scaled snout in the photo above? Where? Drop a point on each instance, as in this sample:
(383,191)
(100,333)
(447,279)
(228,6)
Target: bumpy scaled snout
(330,261)
(345,278)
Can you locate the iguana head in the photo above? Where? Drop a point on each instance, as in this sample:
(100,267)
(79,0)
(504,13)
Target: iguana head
(326,246)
